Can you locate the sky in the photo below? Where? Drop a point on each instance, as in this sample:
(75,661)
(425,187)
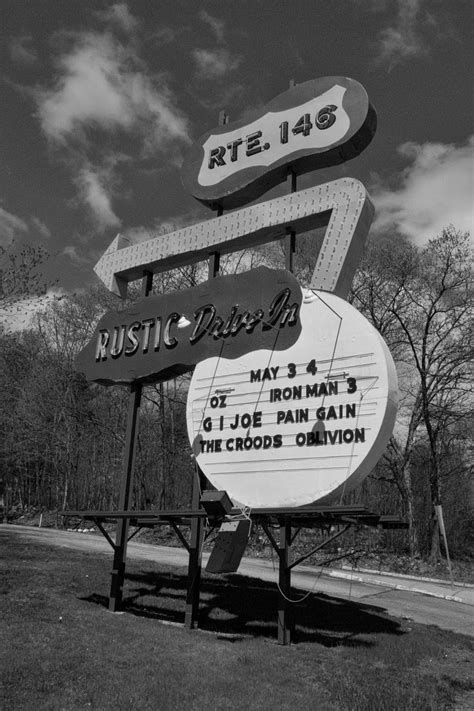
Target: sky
(100,102)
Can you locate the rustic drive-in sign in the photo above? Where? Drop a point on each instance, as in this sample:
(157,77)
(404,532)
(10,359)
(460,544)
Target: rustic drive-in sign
(163,336)
(313,125)
(293,394)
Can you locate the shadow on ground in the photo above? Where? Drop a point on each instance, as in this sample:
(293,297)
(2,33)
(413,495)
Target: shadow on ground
(238,605)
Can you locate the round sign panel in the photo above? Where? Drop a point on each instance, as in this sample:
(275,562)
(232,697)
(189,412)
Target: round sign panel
(289,427)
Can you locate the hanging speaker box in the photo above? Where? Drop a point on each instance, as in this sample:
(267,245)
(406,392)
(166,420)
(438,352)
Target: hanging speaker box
(216,503)
(229,547)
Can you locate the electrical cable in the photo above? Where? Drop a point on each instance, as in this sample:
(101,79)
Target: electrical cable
(302,599)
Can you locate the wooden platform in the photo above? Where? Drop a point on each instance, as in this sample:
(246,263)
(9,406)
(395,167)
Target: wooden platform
(304,517)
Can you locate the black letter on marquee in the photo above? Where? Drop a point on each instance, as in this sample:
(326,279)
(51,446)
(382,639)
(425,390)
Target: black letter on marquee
(216,157)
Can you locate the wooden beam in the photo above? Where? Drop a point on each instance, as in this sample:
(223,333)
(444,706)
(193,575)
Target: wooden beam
(126,484)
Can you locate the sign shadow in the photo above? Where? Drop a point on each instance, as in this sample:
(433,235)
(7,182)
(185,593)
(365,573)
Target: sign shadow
(240,606)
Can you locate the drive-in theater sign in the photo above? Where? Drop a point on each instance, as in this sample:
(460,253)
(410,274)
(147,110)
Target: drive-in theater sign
(293,394)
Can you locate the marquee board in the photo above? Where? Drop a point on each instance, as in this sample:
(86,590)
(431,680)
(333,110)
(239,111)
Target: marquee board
(288,428)
(293,393)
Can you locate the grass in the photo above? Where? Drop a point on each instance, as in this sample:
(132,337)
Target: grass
(62,649)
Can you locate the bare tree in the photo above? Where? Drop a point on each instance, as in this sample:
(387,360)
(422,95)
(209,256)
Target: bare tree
(421,302)
(20,273)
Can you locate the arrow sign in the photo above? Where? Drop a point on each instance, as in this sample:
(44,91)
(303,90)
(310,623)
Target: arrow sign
(343,205)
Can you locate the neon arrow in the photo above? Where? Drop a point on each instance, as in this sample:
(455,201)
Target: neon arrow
(343,205)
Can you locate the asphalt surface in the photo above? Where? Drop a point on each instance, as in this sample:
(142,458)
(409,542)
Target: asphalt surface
(422,600)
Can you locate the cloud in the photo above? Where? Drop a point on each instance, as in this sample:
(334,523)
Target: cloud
(167,35)
(120,16)
(41,227)
(217,26)
(213,64)
(405,37)
(10,226)
(435,190)
(21,50)
(71,252)
(94,193)
(140,233)
(103,98)
(87,92)
(101,85)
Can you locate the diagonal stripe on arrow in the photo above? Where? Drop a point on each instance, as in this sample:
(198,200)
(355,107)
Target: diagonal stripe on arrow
(343,205)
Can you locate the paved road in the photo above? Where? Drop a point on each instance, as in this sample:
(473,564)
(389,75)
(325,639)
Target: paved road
(427,602)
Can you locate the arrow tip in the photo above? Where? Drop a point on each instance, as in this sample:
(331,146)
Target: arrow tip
(106,265)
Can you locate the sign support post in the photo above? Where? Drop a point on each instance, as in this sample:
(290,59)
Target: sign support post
(195,558)
(126,485)
(284,571)
(195,546)
(290,242)
(284,585)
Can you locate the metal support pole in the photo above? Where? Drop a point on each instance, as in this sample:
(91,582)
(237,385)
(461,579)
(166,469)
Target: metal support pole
(126,485)
(195,559)
(290,241)
(214,264)
(284,586)
(195,547)
(290,250)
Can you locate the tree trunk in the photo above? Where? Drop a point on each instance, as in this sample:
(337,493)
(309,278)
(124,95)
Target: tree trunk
(435,550)
(410,510)
(412,532)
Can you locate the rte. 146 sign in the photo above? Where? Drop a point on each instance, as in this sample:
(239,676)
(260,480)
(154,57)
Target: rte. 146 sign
(319,123)
(290,427)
